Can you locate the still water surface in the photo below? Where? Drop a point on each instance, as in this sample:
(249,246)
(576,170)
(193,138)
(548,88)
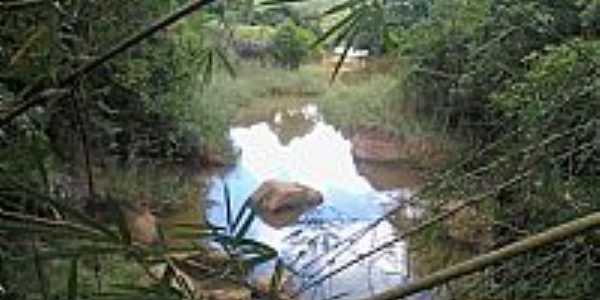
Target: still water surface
(298,145)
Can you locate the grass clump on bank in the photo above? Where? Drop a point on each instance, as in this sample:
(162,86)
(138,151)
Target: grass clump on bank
(374,100)
(371,99)
(164,189)
(217,106)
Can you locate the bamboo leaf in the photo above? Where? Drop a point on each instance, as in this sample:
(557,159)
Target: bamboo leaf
(336,28)
(189,290)
(342,6)
(188,225)
(226,62)
(245,226)
(349,33)
(208,68)
(228,213)
(276,279)
(279,2)
(342,59)
(65,209)
(240,214)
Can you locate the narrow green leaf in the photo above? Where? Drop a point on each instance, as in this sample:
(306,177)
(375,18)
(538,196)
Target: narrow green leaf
(342,59)
(189,290)
(241,213)
(56,232)
(246,226)
(188,225)
(279,2)
(228,212)
(349,33)
(276,279)
(208,68)
(226,62)
(65,209)
(342,6)
(336,28)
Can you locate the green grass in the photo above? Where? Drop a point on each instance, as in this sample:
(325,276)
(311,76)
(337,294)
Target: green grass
(374,97)
(113,270)
(373,100)
(213,109)
(260,33)
(369,98)
(164,189)
(366,103)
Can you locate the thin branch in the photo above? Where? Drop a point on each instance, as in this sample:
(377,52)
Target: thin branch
(481,262)
(29,219)
(343,246)
(421,227)
(15,5)
(110,54)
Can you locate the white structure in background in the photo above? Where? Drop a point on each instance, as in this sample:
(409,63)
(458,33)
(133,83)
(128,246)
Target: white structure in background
(355,58)
(352,53)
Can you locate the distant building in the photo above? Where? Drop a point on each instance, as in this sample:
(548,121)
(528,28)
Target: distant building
(352,53)
(355,58)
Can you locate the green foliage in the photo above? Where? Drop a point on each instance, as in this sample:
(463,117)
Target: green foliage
(53,157)
(370,102)
(133,103)
(258,33)
(560,91)
(291,45)
(558,72)
(520,77)
(589,15)
(88,259)
(156,185)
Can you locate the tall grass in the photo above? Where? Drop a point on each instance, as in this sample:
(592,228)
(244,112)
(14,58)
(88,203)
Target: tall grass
(79,257)
(213,108)
(374,97)
(162,188)
(370,102)
(380,99)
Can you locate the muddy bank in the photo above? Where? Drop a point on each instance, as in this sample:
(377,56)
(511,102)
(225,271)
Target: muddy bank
(375,144)
(390,175)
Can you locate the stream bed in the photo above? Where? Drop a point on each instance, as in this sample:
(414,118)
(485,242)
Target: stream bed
(298,145)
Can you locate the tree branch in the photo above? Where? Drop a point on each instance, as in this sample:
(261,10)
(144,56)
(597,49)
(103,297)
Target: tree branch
(110,54)
(479,263)
(14,5)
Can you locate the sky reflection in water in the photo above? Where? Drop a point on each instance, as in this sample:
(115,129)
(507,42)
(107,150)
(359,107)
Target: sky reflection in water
(319,157)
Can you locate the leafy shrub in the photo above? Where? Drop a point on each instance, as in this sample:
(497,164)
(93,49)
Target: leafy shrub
(262,33)
(291,45)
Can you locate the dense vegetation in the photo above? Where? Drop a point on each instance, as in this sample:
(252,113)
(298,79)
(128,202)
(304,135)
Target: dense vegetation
(95,142)
(520,78)
(517,81)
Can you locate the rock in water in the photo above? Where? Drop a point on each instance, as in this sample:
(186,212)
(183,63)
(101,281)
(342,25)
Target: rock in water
(281,203)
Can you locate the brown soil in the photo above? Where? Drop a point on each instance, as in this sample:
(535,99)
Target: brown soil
(378,145)
(388,176)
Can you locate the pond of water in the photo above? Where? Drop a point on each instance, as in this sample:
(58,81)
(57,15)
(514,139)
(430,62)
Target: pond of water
(297,145)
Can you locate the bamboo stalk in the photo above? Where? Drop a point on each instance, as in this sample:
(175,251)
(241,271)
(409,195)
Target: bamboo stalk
(15,5)
(479,263)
